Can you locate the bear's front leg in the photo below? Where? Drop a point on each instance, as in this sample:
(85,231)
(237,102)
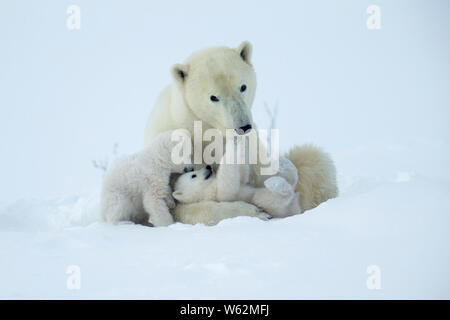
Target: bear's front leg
(228,182)
(158,210)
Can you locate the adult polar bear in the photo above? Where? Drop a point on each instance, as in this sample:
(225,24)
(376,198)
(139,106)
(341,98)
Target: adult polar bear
(217,86)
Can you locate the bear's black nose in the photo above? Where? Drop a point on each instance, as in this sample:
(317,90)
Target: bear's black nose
(208,167)
(244,129)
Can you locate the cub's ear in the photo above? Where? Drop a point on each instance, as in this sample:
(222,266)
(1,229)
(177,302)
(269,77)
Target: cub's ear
(178,195)
(245,51)
(179,72)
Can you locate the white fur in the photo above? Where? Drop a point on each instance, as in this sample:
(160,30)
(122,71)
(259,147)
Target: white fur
(316,175)
(211,212)
(277,198)
(137,187)
(220,71)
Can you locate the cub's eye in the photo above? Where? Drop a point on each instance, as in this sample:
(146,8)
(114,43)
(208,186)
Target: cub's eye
(243,88)
(194,176)
(214,99)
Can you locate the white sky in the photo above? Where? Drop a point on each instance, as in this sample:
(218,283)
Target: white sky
(67,96)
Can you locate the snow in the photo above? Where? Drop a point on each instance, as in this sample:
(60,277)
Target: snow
(400,226)
(377,100)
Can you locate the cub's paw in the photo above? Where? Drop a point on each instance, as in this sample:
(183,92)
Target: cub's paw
(288,171)
(278,185)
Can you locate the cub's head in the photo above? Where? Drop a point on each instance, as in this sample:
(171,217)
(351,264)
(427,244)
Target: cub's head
(193,186)
(219,84)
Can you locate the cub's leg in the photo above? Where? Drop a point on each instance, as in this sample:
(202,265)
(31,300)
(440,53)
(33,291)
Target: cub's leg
(157,209)
(279,185)
(116,207)
(276,199)
(294,206)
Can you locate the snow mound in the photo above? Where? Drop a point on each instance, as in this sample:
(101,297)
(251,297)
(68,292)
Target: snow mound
(50,214)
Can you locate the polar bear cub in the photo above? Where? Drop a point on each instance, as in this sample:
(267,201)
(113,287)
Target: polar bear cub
(277,198)
(137,187)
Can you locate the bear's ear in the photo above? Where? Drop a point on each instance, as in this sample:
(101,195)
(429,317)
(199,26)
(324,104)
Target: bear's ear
(179,72)
(245,51)
(178,195)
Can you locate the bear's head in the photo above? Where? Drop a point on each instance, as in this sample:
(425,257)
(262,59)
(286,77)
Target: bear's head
(194,186)
(218,85)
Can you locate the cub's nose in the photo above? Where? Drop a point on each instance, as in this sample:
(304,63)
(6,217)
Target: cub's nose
(209,172)
(188,169)
(244,129)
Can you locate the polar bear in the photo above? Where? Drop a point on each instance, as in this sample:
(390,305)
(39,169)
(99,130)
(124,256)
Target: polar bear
(137,187)
(217,87)
(211,213)
(277,198)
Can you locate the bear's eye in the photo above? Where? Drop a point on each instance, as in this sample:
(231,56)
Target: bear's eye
(214,99)
(194,176)
(243,88)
